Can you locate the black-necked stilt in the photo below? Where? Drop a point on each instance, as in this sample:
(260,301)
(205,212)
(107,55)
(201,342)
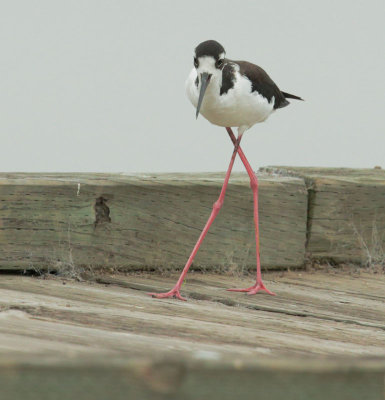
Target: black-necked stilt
(230,94)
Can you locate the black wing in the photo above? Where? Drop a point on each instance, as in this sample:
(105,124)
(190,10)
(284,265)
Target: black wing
(262,83)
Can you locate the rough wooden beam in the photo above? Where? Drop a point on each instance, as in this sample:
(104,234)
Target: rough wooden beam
(346,221)
(64,221)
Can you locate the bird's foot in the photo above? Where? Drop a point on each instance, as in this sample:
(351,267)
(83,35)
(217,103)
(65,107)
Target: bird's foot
(174,293)
(258,287)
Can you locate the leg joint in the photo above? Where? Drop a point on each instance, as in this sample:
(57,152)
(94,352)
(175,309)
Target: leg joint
(218,205)
(254,182)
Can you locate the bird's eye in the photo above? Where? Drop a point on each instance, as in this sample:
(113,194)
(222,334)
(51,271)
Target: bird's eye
(196,63)
(219,63)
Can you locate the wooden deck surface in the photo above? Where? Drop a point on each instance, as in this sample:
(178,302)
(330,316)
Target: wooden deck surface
(321,337)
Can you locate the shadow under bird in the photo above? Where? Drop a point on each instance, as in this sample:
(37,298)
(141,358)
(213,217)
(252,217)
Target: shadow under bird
(230,94)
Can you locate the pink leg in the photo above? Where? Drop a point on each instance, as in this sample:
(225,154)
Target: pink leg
(259,285)
(175,292)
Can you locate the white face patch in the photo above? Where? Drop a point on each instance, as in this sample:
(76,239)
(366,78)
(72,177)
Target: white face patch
(206,64)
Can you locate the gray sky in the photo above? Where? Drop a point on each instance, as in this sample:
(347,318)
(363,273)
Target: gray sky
(91,85)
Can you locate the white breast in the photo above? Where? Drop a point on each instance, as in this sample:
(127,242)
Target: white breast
(238,107)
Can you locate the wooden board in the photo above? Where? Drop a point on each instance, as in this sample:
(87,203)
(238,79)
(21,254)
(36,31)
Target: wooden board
(346,221)
(321,337)
(70,221)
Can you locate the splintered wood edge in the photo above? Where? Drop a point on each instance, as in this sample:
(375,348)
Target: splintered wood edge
(369,176)
(117,179)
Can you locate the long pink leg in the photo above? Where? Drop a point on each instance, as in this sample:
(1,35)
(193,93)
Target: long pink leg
(175,291)
(259,285)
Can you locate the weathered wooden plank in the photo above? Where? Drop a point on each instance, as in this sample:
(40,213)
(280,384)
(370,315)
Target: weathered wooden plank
(63,221)
(337,323)
(65,339)
(346,220)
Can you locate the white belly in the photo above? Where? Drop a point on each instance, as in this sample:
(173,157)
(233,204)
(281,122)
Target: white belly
(238,107)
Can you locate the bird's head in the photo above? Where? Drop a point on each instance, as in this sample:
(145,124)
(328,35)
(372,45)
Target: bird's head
(209,60)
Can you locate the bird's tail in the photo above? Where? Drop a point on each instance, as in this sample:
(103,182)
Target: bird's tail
(291,96)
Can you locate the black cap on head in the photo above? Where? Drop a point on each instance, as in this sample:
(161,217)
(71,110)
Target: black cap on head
(209,48)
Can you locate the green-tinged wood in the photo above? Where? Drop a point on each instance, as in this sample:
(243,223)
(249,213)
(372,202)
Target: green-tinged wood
(63,221)
(178,379)
(346,216)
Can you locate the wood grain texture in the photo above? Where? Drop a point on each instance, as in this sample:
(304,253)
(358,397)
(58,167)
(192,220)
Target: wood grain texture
(346,220)
(62,221)
(321,337)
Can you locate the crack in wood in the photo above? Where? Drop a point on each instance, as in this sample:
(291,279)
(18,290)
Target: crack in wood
(102,211)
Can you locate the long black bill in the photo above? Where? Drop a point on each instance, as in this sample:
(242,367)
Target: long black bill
(205,80)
